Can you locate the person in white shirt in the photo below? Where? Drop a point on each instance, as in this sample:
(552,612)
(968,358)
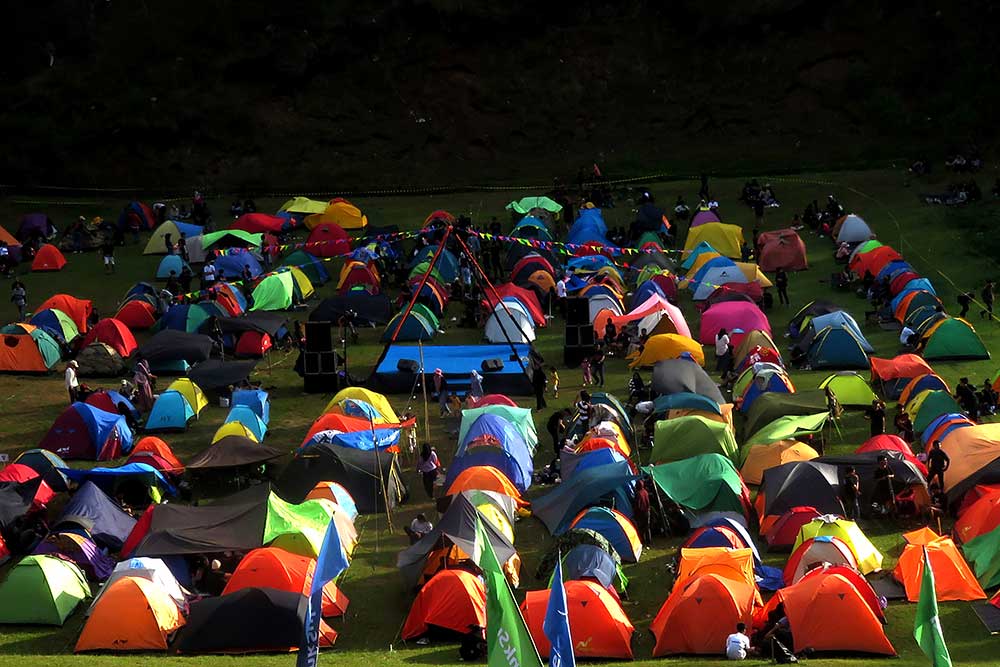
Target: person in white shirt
(906,335)
(723,352)
(738,644)
(72,381)
(561,294)
(208,275)
(419,527)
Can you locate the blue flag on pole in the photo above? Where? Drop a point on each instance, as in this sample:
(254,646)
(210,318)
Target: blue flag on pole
(331,562)
(556,623)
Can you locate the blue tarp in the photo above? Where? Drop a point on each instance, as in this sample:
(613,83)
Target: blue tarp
(456,361)
(570,463)
(588,264)
(107,478)
(106,523)
(589,228)
(495,428)
(365,440)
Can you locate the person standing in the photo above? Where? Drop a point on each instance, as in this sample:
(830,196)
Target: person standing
(903,424)
(429,467)
(168,244)
(554,381)
(208,274)
(182,248)
(876,415)
(723,352)
(556,426)
(144,380)
(538,382)
(561,294)
(965,300)
(987,296)
(475,384)
(19,297)
(640,511)
(852,494)
(108,252)
(72,381)
(967,398)
(885,495)
(441,388)
(598,365)
(937,463)
(781,284)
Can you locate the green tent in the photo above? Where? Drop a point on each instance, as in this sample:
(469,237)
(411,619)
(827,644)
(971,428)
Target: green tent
(850,389)
(983,554)
(683,437)
(705,483)
(649,237)
(867,246)
(237,236)
(425,266)
(773,404)
(275,292)
(427,314)
(953,338)
(788,428)
(42,590)
(928,405)
(527,204)
(309,264)
(300,528)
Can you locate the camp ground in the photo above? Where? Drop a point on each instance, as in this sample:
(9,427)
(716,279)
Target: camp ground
(294,396)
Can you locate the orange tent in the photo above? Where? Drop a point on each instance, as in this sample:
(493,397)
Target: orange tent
(19,352)
(154,445)
(9,238)
(761,457)
(333,492)
(485,478)
(137,315)
(452,599)
(953,579)
(874,260)
(735,564)
(781,249)
(133,614)
(826,612)
(77,310)
(593,442)
(970,449)
(270,567)
(979,518)
(902,366)
(699,615)
(599,626)
(48,258)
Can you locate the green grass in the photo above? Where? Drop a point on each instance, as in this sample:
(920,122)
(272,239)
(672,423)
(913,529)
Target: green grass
(953,248)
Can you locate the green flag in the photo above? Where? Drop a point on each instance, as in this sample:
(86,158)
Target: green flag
(508,641)
(927,624)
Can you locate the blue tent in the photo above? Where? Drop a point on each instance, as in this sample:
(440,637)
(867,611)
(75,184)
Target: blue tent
(685,400)
(119,401)
(925,382)
(170,263)
(107,479)
(171,412)
(245,415)
(415,327)
(586,561)
(101,518)
(557,508)
(602,521)
(493,441)
(893,269)
(494,428)
(933,426)
(839,319)
(714,263)
(531,227)
(837,348)
(588,264)
(919,284)
(362,409)
(83,431)
(601,290)
(189,317)
(695,251)
(644,291)
(366,440)
(446,265)
(589,228)
(141,290)
(572,463)
(47,320)
(255,399)
(230,265)
(758,387)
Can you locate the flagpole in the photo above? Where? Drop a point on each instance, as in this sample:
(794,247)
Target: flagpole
(423,383)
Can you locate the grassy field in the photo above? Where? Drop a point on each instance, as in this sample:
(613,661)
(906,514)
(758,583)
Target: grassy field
(954,248)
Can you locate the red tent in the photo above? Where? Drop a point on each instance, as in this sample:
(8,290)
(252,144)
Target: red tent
(137,314)
(781,249)
(892,443)
(114,334)
(874,261)
(784,531)
(253,344)
(328,240)
(20,473)
(902,366)
(491,399)
(258,223)
(48,258)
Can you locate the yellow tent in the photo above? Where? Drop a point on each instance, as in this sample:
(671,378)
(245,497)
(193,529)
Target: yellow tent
(339,212)
(156,244)
(492,514)
(192,392)
(668,346)
(376,400)
(754,274)
(726,239)
(761,457)
(233,428)
(868,557)
(302,281)
(303,205)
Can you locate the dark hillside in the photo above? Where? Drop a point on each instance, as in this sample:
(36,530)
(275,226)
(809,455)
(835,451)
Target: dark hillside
(328,93)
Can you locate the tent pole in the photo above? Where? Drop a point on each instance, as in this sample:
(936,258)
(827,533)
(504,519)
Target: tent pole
(381,480)
(423,383)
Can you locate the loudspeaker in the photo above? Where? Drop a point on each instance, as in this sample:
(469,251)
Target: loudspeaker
(322,384)
(408,366)
(492,365)
(579,336)
(577,311)
(319,337)
(319,363)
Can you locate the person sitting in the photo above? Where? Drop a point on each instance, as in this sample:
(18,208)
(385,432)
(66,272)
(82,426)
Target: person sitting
(738,644)
(988,399)
(908,338)
(419,527)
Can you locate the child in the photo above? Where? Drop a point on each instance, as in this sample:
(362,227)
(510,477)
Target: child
(585,367)
(554,381)
(454,404)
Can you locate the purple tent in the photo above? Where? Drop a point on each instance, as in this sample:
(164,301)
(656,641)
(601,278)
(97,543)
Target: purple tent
(35,224)
(88,556)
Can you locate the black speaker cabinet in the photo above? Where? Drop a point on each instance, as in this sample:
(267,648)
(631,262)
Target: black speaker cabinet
(408,366)
(492,365)
(319,337)
(577,311)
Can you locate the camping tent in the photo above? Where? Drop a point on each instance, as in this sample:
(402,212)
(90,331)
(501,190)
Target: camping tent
(615,527)
(953,579)
(132,614)
(271,567)
(725,239)
(850,389)
(41,590)
(781,249)
(852,229)
(759,458)
(157,242)
(85,432)
(339,212)
(92,509)
(702,483)
(700,613)
(671,376)
(48,258)
(509,322)
(114,334)
(731,315)
(27,349)
(170,412)
(868,558)
(668,346)
(453,600)
(593,611)
(680,438)
(953,338)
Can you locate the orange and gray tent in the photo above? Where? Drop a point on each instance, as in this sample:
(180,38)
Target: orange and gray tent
(484,478)
(975,458)
(339,212)
(48,258)
(271,567)
(736,563)
(827,612)
(598,624)
(759,458)
(453,600)
(814,552)
(78,310)
(133,614)
(953,578)
(699,614)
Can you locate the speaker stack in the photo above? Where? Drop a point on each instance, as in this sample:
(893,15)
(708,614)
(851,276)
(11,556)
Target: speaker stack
(579,332)
(319,360)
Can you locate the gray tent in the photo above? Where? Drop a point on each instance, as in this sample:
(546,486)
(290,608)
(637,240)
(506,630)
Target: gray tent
(854,230)
(672,376)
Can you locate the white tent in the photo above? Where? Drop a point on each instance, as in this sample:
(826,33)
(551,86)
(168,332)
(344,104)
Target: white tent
(854,230)
(716,277)
(501,327)
(153,569)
